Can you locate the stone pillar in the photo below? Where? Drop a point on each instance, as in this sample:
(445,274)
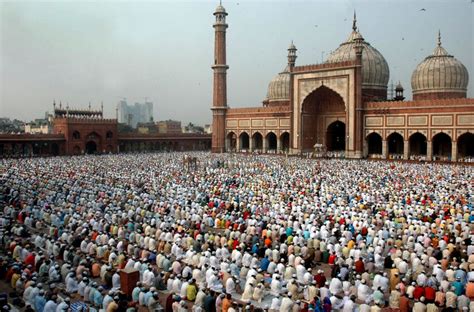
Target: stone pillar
(406,149)
(264,144)
(454,151)
(278,145)
(237,144)
(429,150)
(251,143)
(384,149)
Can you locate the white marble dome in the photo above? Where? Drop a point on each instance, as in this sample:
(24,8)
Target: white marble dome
(440,72)
(375,71)
(279,87)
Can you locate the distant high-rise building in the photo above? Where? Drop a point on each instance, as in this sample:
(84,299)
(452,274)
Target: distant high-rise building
(134,114)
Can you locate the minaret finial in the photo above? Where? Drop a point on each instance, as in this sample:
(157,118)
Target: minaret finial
(439,38)
(354,22)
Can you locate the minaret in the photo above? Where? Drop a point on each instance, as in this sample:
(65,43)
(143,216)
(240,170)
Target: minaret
(219,95)
(358,125)
(292,55)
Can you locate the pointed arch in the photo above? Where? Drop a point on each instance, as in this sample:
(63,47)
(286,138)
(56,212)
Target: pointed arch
(244,140)
(231,141)
(442,146)
(257,141)
(285,141)
(374,144)
(395,145)
(272,141)
(465,144)
(417,144)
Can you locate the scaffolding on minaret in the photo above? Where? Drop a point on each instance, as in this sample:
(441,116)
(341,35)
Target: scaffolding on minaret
(391,91)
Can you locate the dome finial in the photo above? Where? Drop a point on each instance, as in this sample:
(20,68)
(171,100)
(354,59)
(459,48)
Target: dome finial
(354,22)
(439,38)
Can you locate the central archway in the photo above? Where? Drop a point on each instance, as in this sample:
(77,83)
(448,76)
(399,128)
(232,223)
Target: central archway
(336,136)
(318,112)
(91,147)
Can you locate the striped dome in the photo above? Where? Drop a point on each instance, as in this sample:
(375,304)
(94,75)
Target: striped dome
(279,87)
(375,71)
(440,72)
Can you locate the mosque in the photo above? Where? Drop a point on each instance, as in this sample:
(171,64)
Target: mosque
(341,106)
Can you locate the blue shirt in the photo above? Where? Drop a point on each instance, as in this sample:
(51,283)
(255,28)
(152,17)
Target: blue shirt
(40,302)
(264,264)
(458,288)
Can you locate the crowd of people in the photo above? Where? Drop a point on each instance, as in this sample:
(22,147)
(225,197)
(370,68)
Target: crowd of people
(236,233)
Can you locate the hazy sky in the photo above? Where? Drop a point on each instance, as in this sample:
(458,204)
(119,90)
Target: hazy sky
(81,51)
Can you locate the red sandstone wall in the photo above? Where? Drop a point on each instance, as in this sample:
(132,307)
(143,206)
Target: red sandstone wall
(438,95)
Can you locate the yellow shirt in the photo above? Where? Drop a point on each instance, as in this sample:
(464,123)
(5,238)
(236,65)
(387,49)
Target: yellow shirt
(191,292)
(350,244)
(15,278)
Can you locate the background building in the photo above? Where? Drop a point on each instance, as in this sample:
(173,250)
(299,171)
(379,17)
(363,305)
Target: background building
(341,106)
(147,127)
(192,128)
(169,126)
(133,114)
(40,125)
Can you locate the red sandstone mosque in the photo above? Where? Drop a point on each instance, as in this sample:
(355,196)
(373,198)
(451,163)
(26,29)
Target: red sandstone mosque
(341,106)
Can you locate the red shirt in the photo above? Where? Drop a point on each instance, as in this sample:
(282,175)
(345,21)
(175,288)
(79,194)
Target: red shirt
(359,266)
(404,304)
(30,260)
(235,244)
(320,280)
(332,259)
(430,293)
(418,292)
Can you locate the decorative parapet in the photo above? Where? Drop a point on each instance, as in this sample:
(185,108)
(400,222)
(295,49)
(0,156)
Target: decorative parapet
(322,66)
(419,103)
(252,110)
(85,120)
